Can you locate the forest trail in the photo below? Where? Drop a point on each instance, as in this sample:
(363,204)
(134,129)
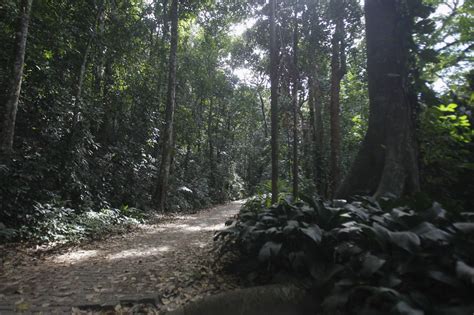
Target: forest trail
(165,265)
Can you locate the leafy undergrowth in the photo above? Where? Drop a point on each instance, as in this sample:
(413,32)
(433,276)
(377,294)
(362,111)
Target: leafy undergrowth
(361,257)
(61,225)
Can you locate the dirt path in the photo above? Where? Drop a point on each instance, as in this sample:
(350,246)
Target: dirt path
(161,266)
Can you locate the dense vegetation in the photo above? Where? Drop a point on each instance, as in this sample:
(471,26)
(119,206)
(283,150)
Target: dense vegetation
(113,109)
(352,123)
(363,257)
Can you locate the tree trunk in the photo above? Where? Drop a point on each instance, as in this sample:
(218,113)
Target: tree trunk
(78,93)
(387,164)
(77,102)
(274,99)
(167,142)
(165,27)
(307,143)
(99,64)
(317,132)
(289,153)
(262,105)
(337,73)
(11,106)
(295,105)
(312,126)
(212,162)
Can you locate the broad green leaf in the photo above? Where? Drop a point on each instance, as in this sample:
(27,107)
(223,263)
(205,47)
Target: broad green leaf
(465,227)
(291,226)
(451,108)
(465,272)
(428,231)
(371,264)
(403,308)
(268,250)
(409,241)
(443,277)
(313,232)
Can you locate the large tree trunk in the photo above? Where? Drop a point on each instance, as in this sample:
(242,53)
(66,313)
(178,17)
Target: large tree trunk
(11,106)
(338,70)
(387,164)
(295,105)
(274,99)
(167,144)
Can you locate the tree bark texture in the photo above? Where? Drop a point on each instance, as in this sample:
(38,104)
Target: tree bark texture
(295,105)
(274,99)
(317,129)
(264,116)
(210,139)
(167,141)
(387,163)
(11,106)
(338,70)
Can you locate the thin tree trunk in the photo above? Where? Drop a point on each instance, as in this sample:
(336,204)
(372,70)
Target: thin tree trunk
(318,116)
(167,144)
(11,106)
(289,152)
(317,131)
(307,143)
(99,60)
(295,105)
(78,94)
(166,27)
(76,105)
(312,126)
(337,73)
(274,99)
(212,166)
(387,163)
(99,64)
(262,104)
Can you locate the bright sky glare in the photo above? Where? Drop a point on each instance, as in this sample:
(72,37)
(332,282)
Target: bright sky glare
(240,28)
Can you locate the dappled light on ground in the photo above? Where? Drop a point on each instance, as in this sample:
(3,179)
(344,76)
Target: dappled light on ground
(196,228)
(167,263)
(139,252)
(76,256)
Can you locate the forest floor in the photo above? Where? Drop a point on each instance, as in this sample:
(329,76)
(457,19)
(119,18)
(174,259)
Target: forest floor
(155,268)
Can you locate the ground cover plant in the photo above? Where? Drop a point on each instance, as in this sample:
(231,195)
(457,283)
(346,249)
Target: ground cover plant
(363,257)
(58,224)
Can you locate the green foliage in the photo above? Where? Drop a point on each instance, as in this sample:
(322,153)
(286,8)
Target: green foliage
(265,188)
(53,223)
(446,150)
(360,256)
(458,126)
(102,151)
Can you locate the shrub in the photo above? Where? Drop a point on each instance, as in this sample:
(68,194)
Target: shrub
(54,223)
(362,257)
